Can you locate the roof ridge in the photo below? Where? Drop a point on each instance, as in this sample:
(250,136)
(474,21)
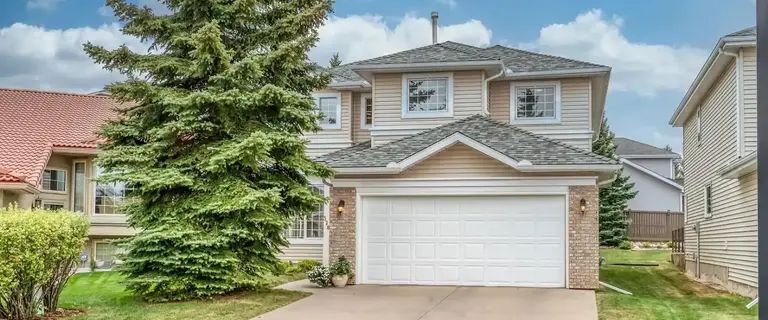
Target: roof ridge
(574,148)
(52,92)
(479,49)
(545,55)
(643,143)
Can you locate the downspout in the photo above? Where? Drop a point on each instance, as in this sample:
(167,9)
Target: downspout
(486,88)
(739,102)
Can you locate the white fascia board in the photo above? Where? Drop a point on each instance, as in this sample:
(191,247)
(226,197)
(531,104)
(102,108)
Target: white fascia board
(650,156)
(466,182)
(651,173)
(19,186)
(349,84)
(689,99)
(366,170)
(449,141)
(571,168)
(585,72)
(741,167)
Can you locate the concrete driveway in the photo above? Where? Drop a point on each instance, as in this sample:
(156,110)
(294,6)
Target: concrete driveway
(362,302)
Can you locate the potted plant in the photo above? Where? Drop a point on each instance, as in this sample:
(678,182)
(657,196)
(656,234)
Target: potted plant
(340,272)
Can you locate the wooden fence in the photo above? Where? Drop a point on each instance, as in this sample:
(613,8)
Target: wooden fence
(678,240)
(653,225)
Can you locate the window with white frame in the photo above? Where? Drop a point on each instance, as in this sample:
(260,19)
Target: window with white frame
(366,111)
(329,107)
(106,254)
(708,200)
(55,180)
(311,227)
(53,206)
(536,101)
(109,196)
(698,125)
(427,95)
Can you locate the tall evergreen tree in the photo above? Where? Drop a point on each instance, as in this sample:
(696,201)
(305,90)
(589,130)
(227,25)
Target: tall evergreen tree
(335,60)
(210,141)
(614,198)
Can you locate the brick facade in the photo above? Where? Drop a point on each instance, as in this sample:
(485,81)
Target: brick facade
(341,226)
(583,242)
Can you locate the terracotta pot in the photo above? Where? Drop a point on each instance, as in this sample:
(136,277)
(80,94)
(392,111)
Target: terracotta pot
(340,281)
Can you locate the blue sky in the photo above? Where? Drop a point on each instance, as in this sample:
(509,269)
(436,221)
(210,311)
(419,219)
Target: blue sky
(655,47)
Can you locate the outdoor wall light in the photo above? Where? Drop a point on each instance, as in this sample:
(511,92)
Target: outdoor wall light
(583,205)
(340,207)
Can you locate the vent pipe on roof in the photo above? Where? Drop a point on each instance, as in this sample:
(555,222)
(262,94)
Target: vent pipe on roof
(434,27)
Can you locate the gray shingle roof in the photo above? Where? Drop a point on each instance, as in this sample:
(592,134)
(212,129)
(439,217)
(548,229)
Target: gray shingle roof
(525,61)
(625,146)
(509,140)
(751,31)
(514,59)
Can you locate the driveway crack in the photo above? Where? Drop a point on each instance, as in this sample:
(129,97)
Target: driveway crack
(438,303)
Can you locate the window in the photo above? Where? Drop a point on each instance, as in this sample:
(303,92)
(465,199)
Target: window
(708,201)
(366,111)
(109,196)
(106,254)
(55,180)
(329,106)
(427,95)
(311,227)
(698,125)
(78,196)
(536,101)
(53,206)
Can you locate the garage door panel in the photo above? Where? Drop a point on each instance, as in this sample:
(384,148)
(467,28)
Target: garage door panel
(491,240)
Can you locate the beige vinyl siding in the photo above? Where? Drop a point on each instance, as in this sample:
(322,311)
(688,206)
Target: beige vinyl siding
(462,161)
(575,107)
(388,105)
(358,134)
(329,140)
(729,236)
(302,251)
(749,99)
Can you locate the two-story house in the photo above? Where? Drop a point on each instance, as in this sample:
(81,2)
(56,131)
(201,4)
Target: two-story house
(459,165)
(47,146)
(652,170)
(718,115)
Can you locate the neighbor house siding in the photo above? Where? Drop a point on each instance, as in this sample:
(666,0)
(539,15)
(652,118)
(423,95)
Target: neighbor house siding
(652,193)
(358,133)
(749,82)
(575,107)
(660,166)
(302,251)
(728,239)
(388,123)
(329,140)
(459,161)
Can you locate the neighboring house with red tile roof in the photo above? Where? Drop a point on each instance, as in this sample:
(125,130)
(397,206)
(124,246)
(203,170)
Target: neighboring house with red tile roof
(48,143)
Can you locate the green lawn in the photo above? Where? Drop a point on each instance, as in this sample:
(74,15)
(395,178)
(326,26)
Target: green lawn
(661,292)
(102,296)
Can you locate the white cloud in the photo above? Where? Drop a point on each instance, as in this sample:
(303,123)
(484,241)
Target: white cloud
(450,3)
(358,37)
(37,57)
(42,4)
(106,11)
(638,67)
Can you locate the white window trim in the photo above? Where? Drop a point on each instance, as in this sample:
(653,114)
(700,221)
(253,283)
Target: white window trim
(405,114)
(364,96)
(707,199)
(336,95)
(43,202)
(315,240)
(72,194)
(92,196)
(66,181)
(513,102)
(698,126)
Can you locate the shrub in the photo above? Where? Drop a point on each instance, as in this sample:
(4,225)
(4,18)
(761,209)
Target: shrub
(625,245)
(39,251)
(341,267)
(669,244)
(320,276)
(306,265)
(646,244)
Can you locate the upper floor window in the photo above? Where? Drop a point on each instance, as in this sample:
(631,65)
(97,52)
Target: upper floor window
(109,196)
(329,107)
(55,180)
(538,101)
(698,125)
(427,95)
(708,201)
(366,111)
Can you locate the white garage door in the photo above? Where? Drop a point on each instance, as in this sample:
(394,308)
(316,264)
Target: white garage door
(463,240)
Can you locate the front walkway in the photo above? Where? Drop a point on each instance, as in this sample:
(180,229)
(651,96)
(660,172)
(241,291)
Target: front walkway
(362,302)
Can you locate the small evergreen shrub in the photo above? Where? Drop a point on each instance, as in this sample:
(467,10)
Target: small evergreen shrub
(625,245)
(39,251)
(341,267)
(669,244)
(306,265)
(320,276)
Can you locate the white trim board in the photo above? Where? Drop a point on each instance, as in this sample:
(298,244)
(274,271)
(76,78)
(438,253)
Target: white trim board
(652,173)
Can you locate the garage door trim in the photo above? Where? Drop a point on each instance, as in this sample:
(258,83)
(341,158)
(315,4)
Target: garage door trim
(362,193)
